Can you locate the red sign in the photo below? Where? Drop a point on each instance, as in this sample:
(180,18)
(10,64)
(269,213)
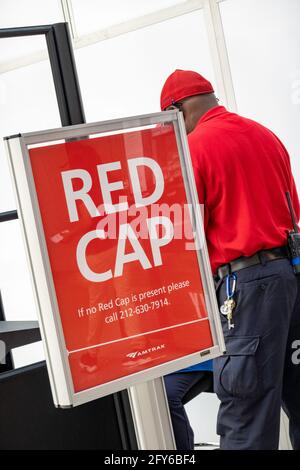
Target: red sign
(118,233)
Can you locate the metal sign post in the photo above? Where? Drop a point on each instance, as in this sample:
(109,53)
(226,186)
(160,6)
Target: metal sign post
(151,416)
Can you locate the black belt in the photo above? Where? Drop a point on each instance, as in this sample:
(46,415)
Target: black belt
(259,258)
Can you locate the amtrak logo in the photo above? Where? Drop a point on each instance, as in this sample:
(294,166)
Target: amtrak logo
(144,352)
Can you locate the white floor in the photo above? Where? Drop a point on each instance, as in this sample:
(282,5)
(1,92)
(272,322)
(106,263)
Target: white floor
(202,412)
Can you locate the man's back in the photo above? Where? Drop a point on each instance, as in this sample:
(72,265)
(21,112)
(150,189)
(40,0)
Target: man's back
(242,172)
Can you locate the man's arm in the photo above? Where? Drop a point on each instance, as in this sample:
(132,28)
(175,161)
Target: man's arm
(292,185)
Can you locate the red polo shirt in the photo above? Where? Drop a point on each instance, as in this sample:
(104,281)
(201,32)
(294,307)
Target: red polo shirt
(242,172)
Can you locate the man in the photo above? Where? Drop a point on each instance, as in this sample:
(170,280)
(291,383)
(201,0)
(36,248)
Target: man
(242,172)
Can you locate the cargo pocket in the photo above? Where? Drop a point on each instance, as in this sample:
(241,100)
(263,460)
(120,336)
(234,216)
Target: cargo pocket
(236,372)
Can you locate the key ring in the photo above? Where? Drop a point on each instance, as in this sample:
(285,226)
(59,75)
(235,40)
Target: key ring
(230,292)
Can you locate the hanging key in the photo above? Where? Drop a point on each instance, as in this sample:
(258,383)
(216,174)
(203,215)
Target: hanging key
(229,320)
(229,304)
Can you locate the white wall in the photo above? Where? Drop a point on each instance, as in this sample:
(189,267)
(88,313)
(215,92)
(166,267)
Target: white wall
(124,75)
(94,15)
(263,40)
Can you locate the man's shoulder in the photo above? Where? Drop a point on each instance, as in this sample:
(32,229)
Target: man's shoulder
(205,130)
(215,142)
(226,128)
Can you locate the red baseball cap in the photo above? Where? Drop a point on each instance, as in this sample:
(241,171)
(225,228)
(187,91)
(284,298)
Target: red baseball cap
(182,84)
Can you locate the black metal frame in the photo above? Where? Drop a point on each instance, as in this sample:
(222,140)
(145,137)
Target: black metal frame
(71,111)
(64,76)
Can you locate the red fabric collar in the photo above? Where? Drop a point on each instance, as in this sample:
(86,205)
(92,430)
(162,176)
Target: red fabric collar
(212,113)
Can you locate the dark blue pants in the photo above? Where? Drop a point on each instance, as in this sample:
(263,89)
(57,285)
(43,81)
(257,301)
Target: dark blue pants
(177,386)
(260,371)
